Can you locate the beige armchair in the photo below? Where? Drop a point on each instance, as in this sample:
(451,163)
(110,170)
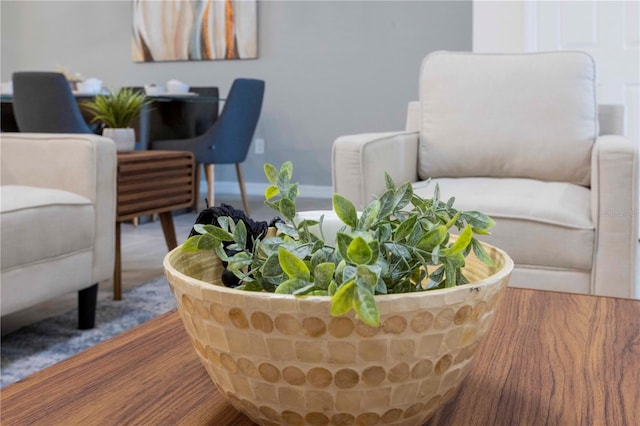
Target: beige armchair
(57,217)
(521,138)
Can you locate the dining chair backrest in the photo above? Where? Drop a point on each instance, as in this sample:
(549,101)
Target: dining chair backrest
(230,137)
(43,103)
(228,140)
(206,113)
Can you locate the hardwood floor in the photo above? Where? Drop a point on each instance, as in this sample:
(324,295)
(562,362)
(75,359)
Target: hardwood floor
(143,249)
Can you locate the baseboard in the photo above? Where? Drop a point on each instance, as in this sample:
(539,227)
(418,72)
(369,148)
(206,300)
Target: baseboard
(257,188)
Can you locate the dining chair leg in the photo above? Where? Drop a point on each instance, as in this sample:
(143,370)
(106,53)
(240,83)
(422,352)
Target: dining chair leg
(243,191)
(208,170)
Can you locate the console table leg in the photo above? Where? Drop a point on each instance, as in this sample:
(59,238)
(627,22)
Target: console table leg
(117,270)
(166,219)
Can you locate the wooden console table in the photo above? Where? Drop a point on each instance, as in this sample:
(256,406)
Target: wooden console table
(152,182)
(550,359)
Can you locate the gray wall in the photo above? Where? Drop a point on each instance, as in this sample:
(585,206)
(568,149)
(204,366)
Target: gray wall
(331,68)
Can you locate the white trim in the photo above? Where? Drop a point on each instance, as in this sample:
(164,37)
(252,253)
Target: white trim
(257,188)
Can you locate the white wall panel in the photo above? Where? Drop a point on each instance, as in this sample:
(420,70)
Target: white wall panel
(632,24)
(632,102)
(578,24)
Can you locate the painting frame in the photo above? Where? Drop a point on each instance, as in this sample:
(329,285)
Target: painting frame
(194,30)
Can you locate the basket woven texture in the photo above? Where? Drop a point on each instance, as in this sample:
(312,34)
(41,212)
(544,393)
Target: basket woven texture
(282,359)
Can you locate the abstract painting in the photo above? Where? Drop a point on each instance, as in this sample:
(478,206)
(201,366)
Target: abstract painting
(194,30)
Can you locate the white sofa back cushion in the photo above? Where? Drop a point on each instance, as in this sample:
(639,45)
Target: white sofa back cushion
(508,115)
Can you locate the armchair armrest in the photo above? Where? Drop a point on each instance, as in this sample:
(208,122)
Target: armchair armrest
(84,164)
(359,163)
(614,180)
(413,117)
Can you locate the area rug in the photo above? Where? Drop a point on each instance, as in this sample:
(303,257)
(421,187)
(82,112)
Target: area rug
(46,342)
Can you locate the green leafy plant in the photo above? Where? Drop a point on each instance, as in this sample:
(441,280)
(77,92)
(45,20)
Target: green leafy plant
(400,243)
(117,110)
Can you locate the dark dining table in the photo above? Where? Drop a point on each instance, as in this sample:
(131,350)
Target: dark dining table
(8,119)
(169,116)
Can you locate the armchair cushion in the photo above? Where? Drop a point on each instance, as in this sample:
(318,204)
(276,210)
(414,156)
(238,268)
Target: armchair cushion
(33,219)
(540,224)
(541,121)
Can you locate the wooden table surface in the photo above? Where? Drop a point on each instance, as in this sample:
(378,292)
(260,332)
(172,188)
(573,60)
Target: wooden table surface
(550,359)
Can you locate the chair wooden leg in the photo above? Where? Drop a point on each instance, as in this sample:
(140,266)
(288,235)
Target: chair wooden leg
(243,191)
(208,170)
(196,189)
(169,230)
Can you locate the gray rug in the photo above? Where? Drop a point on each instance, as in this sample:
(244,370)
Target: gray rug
(46,342)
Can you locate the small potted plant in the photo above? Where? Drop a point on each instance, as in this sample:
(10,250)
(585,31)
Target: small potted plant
(378,327)
(116,111)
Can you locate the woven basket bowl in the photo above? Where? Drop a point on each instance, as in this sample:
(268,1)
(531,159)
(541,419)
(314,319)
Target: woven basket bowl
(282,359)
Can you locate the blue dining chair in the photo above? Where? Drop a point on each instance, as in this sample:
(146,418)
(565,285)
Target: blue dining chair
(43,103)
(227,141)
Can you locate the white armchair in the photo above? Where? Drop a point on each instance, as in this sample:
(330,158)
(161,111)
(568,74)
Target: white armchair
(57,217)
(521,138)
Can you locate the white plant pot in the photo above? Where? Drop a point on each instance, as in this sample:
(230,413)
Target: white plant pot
(125,139)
